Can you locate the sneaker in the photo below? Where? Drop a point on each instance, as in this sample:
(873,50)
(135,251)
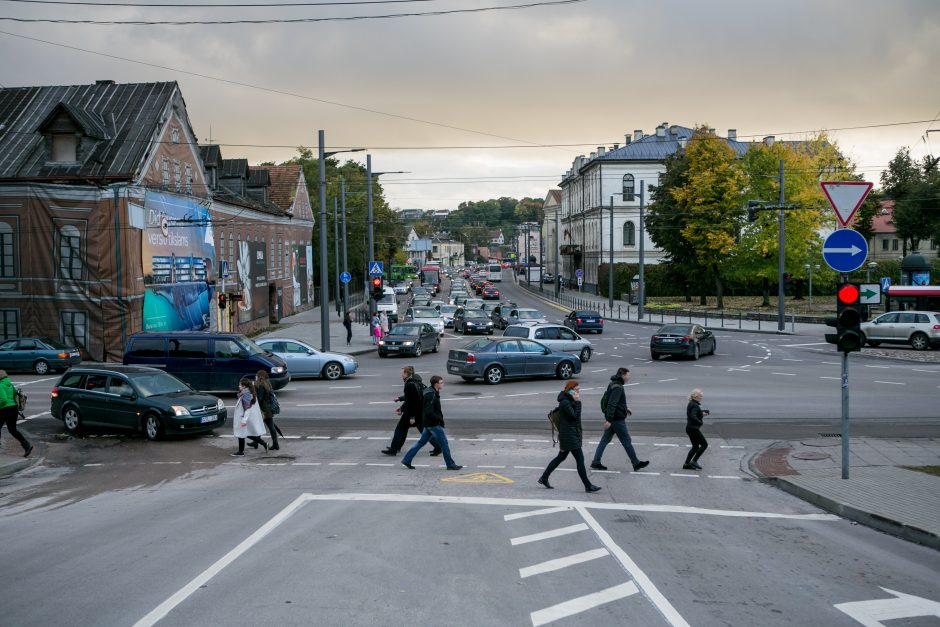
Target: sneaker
(29,449)
(598,466)
(238,454)
(592,488)
(455,467)
(389,452)
(640,465)
(696,466)
(689,466)
(407,465)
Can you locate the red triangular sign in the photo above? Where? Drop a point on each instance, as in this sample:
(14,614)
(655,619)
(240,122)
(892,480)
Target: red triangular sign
(846,197)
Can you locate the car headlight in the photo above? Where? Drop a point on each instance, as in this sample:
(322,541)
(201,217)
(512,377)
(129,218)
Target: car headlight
(278,370)
(179,410)
(408,344)
(220,405)
(489,324)
(381,342)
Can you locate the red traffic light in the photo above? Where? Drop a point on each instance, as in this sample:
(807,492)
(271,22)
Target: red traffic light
(376,282)
(848,294)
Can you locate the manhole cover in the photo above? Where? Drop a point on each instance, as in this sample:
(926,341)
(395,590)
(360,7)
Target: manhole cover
(810,455)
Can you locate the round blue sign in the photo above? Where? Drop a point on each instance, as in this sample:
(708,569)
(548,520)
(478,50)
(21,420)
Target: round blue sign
(845,250)
(345,277)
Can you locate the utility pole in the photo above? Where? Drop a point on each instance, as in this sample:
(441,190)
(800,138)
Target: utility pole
(610,269)
(324,279)
(342,202)
(557,252)
(528,268)
(369,221)
(640,308)
(336,254)
(781,257)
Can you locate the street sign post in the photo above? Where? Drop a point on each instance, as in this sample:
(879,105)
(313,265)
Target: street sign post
(845,250)
(869,294)
(345,277)
(376,268)
(845,197)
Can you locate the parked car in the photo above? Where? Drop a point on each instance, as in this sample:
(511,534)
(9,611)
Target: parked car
(38,354)
(410,338)
(920,329)
(582,320)
(504,358)
(133,398)
(690,340)
(557,338)
(426,314)
(304,360)
(206,361)
(490,293)
(527,316)
(447,313)
(548,277)
(472,321)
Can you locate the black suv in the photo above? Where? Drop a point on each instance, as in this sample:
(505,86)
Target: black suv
(134,398)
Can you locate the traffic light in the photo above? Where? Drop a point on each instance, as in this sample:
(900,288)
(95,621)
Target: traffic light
(378,289)
(753,206)
(848,336)
(787,282)
(221,300)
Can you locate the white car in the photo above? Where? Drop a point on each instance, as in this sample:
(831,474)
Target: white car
(428,315)
(920,329)
(527,316)
(402,287)
(447,313)
(556,337)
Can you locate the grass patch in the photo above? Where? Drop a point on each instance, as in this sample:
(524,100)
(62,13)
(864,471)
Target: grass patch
(930,470)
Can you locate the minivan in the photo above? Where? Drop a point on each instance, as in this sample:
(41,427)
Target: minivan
(206,361)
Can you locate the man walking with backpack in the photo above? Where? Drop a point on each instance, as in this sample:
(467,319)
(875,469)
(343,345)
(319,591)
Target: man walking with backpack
(614,406)
(411,412)
(433,426)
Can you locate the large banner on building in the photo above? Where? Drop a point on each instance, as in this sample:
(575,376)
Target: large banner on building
(299,271)
(178,254)
(252,272)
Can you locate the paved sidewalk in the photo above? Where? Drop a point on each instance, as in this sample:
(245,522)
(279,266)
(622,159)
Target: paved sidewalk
(880,492)
(305,326)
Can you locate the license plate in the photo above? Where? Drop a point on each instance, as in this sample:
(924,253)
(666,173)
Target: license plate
(590,320)
(669,340)
(455,369)
(391,348)
(209,419)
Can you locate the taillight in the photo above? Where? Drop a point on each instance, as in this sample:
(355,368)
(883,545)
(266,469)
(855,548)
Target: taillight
(936,327)
(55,391)
(600,320)
(471,358)
(687,338)
(653,338)
(579,320)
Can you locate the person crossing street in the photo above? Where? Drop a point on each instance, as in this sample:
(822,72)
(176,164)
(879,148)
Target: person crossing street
(433,426)
(615,422)
(411,412)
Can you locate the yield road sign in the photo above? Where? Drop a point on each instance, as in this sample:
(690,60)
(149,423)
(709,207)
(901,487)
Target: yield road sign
(376,269)
(579,273)
(885,283)
(869,294)
(345,277)
(845,197)
(845,250)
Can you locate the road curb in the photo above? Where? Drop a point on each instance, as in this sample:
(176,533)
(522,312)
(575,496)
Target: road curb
(13,466)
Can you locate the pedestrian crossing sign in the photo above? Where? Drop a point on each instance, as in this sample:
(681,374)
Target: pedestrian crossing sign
(478,477)
(376,269)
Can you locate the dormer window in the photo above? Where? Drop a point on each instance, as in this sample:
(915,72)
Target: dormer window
(175,135)
(64,147)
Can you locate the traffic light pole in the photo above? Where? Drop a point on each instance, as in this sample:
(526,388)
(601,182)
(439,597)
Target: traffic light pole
(845,415)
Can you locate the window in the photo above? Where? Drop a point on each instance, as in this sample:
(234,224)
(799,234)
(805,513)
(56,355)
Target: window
(27,345)
(9,323)
(231,250)
(166,173)
(7,251)
(97,382)
(509,347)
(177,177)
(70,252)
(175,135)
(227,349)
(627,187)
(894,244)
(120,387)
(550,333)
(629,234)
(189,178)
(933,244)
(528,346)
(148,347)
(64,147)
(189,348)
(75,380)
(567,334)
(884,244)
(74,328)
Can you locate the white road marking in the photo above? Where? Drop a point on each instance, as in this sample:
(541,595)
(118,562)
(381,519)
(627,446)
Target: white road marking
(524,394)
(291,437)
(536,512)
(833,378)
(666,380)
(701,366)
(382,402)
(306,464)
(472,398)
(830,363)
(538,441)
(882,367)
(583,603)
(562,562)
(601,369)
(645,472)
(377,464)
(344,387)
(682,474)
(808,344)
(729,446)
(322,404)
(546,535)
(349,437)
(617,356)
(891,382)
(490,466)
(376,437)
(724,477)
(504,439)
(161,463)
(785,374)
(318,437)
(45,413)
(924,370)
(87,465)
(528,467)
(785,359)
(756,357)
(663,444)
(473,439)
(25,383)
(342,464)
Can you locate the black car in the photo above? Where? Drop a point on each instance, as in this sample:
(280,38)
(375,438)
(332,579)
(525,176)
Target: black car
(582,320)
(689,340)
(135,398)
(472,321)
(409,338)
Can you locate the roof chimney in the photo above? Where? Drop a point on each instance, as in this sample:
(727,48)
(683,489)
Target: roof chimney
(626,139)
(769,140)
(683,141)
(673,130)
(660,131)
(104,82)
(615,147)
(638,134)
(733,134)
(593,154)
(601,151)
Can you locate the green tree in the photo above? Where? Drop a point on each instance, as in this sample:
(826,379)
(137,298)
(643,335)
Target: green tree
(907,183)
(529,210)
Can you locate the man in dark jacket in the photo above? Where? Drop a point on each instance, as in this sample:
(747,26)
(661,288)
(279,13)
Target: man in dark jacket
(433,426)
(616,422)
(411,411)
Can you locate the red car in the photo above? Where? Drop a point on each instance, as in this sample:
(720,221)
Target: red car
(490,293)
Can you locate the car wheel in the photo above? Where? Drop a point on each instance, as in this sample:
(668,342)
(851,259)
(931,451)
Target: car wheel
(600,331)
(153,427)
(72,419)
(654,356)
(920,342)
(332,371)
(696,351)
(714,347)
(565,370)
(41,366)
(437,346)
(585,355)
(381,354)
(493,375)
(418,350)
(468,379)
(490,332)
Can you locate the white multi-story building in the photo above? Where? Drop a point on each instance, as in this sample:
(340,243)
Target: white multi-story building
(613,179)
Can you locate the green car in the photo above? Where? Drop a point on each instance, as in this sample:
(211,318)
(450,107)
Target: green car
(37,354)
(134,398)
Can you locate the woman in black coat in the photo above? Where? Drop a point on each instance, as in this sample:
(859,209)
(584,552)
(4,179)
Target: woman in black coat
(569,436)
(694,419)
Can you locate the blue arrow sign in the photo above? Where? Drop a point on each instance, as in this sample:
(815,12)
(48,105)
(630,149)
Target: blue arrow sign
(845,250)
(375,268)
(345,277)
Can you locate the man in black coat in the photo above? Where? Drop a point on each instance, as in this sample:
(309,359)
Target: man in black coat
(433,426)
(615,422)
(411,412)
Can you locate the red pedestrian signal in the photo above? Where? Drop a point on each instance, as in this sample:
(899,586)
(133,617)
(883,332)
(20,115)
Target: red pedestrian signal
(222,301)
(378,290)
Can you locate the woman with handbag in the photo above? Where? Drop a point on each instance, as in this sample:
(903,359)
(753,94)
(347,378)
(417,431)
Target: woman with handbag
(569,436)
(265,400)
(248,422)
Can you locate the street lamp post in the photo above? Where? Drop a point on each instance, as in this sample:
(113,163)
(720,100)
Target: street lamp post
(336,254)
(810,268)
(342,202)
(369,218)
(871,266)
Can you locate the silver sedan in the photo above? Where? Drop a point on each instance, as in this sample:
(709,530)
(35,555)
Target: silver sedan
(305,361)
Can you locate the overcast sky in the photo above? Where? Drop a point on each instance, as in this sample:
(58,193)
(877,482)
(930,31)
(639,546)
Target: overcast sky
(582,73)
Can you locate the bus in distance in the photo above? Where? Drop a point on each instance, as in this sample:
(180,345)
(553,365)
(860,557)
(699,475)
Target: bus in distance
(494,271)
(431,276)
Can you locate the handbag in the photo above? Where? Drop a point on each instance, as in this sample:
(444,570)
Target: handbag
(275,405)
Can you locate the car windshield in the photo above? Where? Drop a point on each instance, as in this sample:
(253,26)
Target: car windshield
(154,384)
(403,329)
(251,347)
(588,314)
(675,329)
(476,313)
(425,313)
(388,299)
(448,309)
(516,332)
(529,315)
(56,344)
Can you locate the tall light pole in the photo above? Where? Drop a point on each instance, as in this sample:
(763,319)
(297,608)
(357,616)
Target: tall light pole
(324,279)
(810,268)
(640,308)
(336,253)
(369,218)
(610,267)
(342,196)
(781,258)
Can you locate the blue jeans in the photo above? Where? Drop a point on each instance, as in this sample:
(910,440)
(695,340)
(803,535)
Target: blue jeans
(439,436)
(618,427)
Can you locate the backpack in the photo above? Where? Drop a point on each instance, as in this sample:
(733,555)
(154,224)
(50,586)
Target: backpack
(604,400)
(275,405)
(554,417)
